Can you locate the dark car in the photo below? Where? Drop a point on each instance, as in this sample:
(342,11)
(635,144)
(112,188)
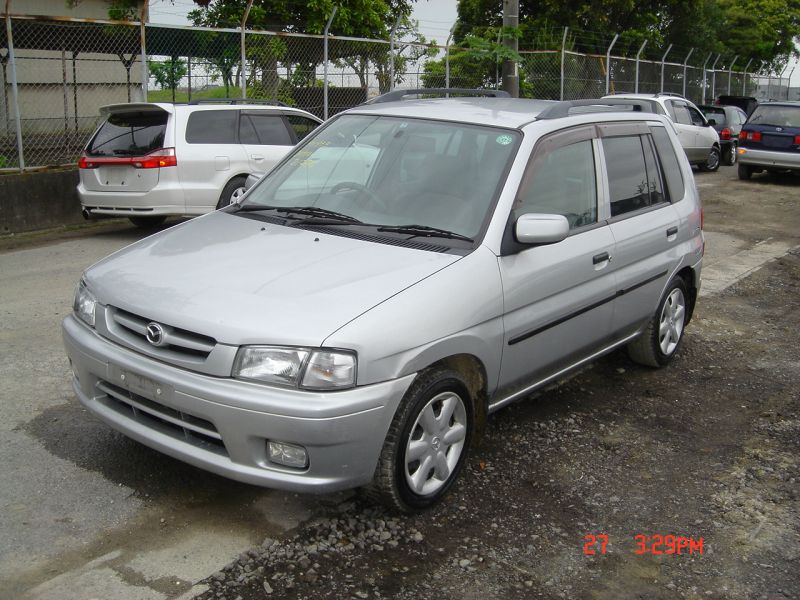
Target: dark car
(728,121)
(770,140)
(746,103)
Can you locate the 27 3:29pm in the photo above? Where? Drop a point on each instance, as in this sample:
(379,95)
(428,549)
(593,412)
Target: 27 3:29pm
(655,544)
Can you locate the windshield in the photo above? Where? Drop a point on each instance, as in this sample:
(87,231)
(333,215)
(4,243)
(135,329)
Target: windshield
(776,115)
(717,114)
(388,171)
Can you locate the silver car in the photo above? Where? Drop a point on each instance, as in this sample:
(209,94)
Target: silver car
(410,268)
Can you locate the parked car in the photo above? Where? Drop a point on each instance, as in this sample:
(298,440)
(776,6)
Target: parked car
(151,160)
(410,268)
(698,138)
(746,103)
(727,121)
(770,139)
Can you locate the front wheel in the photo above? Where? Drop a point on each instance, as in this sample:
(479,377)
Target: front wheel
(659,342)
(427,443)
(712,162)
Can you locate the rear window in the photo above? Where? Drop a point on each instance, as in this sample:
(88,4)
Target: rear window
(776,115)
(129,134)
(717,114)
(212,127)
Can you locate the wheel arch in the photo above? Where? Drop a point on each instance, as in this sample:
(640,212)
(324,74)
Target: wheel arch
(690,279)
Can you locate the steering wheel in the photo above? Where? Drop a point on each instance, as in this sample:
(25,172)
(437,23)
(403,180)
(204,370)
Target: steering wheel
(365,197)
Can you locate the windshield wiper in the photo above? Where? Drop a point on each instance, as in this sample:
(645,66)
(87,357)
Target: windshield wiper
(312,211)
(424,231)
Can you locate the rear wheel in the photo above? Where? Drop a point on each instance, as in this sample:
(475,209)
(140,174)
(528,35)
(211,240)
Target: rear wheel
(712,162)
(427,443)
(657,344)
(730,155)
(147,222)
(745,172)
(232,191)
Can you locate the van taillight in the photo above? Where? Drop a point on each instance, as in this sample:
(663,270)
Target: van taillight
(797,140)
(725,134)
(160,158)
(753,136)
(85,163)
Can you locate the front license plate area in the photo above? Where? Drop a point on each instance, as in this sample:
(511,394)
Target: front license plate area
(140,385)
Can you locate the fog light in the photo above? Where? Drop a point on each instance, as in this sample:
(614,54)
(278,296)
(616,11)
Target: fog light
(288,455)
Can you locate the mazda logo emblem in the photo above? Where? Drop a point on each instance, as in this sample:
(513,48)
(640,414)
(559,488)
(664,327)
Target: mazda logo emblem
(155,334)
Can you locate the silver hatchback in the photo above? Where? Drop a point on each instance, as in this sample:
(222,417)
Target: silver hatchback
(410,268)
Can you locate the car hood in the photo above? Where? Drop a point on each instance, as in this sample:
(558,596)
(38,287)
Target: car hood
(243,281)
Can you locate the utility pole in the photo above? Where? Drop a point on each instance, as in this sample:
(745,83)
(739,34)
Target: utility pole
(510,67)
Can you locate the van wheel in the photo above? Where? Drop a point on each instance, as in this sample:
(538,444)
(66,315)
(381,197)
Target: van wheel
(427,443)
(745,172)
(147,222)
(730,155)
(659,342)
(232,191)
(712,162)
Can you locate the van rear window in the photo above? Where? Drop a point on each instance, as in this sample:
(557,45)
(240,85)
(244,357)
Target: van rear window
(129,134)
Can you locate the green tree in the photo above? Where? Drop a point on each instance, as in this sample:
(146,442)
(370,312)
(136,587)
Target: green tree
(168,73)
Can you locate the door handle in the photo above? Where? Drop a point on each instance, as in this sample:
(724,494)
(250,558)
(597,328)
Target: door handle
(672,231)
(256,157)
(599,258)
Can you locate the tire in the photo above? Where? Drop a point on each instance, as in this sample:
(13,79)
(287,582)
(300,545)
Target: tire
(745,172)
(400,482)
(660,341)
(712,162)
(730,155)
(147,222)
(232,191)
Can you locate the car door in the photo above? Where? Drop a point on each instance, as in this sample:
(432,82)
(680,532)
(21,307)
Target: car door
(643,222)
(707,136)
(266,137)
(558,297)
(686,129)
(210,156)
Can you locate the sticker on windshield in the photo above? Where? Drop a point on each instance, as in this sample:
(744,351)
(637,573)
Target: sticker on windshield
(504,140)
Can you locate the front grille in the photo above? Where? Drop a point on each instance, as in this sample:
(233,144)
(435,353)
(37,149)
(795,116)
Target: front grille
(177,424)
(180,341)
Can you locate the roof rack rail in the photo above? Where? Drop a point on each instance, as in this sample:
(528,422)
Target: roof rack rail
(237,101)
(396,95)
(562,109)
(670,94)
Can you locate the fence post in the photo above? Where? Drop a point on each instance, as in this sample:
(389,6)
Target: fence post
(447,57)
(143,49)
(780,83)
(14,92)
(563,55)
(744,76)
(638,54)
(391,52)
(608,63)
(663,59)
(714,78)
(243,54)
(686,62)
(325,67)
(705,76)
(730,72)
(789,82)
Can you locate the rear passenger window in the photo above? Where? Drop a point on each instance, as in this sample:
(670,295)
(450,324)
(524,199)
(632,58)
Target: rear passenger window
(562,182)
(671,168)
(302,125)
(270,129)
(632,184)
(211,127)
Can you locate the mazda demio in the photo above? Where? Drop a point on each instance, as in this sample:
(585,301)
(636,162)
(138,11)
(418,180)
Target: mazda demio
(416,264)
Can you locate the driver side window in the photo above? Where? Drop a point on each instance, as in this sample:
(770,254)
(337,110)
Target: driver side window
(562,181)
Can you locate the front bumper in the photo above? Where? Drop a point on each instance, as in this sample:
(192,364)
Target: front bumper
(222,425)
(769,158)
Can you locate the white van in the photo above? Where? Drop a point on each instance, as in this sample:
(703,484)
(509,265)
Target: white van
(148,161)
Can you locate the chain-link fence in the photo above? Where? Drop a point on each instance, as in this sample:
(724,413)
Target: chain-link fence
(56,74)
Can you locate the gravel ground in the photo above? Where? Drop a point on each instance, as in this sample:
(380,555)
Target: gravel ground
(704,449)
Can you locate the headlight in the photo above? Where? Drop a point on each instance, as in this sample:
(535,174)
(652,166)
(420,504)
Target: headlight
(296,367)
(84,304)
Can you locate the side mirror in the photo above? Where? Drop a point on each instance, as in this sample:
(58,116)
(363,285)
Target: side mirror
(712,122)
(251,180)
(535,228)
